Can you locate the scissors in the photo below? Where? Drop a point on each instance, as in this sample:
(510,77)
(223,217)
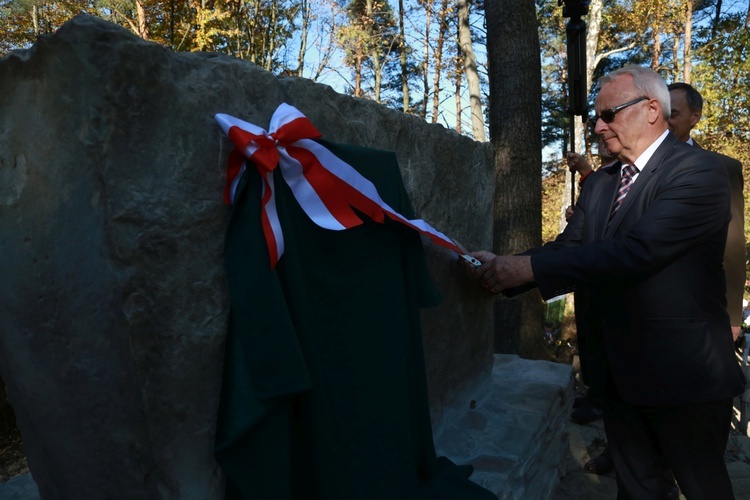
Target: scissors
(465,254)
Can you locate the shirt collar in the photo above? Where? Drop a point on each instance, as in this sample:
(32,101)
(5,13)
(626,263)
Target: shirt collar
(642,160)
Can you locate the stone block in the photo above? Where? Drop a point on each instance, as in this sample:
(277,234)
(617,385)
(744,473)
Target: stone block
(113,304)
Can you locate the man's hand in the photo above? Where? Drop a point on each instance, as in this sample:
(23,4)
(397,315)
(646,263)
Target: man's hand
(569,212)
(499,272)
(577,163)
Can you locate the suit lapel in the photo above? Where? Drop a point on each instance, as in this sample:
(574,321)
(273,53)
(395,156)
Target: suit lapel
(606,199)
(644,178)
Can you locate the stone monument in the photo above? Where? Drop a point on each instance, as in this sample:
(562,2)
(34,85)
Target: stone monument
(113,304)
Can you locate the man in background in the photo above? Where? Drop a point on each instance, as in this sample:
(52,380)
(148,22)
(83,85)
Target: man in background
(687,108)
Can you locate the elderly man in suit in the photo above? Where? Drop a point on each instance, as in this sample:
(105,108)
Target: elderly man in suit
(647,241)
(687,109)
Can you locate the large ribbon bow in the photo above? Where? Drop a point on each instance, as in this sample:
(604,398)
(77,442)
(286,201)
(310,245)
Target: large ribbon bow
(326,187)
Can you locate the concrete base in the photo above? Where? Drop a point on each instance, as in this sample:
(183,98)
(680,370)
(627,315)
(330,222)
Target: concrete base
(520,441)
(516,434)
(19,488)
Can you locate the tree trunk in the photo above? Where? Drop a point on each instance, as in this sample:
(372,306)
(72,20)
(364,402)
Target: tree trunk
(404,67)
(374,48)
(686,55)
(426,62)
(252,30)
(305,8)
(717,18)
(35,18)
(458,70)
(515,131)
(438,64)
(358,77)
(270,45)
(142,25)
(593,28)
(171,24)
(472,75)
(656,50)
(377,74)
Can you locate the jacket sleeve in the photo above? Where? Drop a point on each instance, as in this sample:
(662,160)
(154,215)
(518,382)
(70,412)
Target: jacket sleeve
(690,205)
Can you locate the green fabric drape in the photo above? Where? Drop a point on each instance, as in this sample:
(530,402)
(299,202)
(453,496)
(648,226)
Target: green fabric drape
(324,393)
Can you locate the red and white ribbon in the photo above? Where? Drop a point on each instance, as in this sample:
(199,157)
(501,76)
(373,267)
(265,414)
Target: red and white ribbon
(326,187)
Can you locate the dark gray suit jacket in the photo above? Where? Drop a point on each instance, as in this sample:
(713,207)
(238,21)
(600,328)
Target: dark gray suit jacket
(734,254)
(654,277)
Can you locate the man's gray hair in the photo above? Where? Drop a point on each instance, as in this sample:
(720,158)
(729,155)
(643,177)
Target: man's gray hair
(649,83)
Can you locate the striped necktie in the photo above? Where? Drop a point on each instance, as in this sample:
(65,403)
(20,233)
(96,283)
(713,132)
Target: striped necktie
(626,180)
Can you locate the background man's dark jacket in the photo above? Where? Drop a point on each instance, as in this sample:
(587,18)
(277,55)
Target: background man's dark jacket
(734,254)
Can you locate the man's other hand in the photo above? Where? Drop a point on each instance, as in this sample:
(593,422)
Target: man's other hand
(499,272)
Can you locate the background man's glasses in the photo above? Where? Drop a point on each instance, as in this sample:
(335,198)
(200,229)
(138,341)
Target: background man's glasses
(608,115)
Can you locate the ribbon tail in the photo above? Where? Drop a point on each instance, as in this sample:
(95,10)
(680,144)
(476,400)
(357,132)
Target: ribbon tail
(337,183)
(371,204)
(317,190)
(270,221)
(235,169)
(433,234)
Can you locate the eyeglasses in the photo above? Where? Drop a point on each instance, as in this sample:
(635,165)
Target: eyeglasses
(608,115)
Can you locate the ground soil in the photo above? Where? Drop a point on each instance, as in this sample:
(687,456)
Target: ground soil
(12,459)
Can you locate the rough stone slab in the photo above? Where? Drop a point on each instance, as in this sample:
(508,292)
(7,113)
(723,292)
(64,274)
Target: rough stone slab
(516,435)
(583,486)
(113,307)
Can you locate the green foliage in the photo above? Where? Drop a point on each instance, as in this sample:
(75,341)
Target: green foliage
(257,30)
(267,33)
(555,118)
(23,21)
(719,57)
(371,41)
(724,81)
(723,78)
(210,33)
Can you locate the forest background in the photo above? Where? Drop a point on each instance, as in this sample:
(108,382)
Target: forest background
(429,57)
(438,59)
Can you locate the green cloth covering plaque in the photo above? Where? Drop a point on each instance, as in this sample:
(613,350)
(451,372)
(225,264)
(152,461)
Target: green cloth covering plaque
(324,393)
